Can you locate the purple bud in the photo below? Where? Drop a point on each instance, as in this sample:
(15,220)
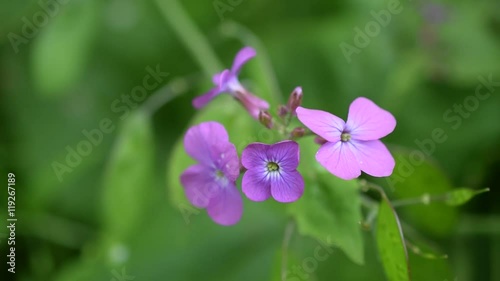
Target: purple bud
(266,119)
(298,132)
(282,111)
(252,103)
(295,100)
(319,140)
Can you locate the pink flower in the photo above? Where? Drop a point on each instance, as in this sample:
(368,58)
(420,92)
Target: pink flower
(211,183)
(272,171)
(353,146)
(227,82)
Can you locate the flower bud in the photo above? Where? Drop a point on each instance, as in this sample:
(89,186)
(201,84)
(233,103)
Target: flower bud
(319,140)
(295,100)
(266,119)
(298,132)
(253,104)
(282,111)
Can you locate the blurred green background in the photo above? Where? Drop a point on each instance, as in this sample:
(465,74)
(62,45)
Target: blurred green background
(65,67)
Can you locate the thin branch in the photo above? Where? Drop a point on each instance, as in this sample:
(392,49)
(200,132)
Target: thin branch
(286,243)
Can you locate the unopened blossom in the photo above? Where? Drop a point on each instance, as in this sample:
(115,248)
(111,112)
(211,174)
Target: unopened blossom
(295,100)
(272,171)
(227,82)
(210,183)
(266,119)
(353,146)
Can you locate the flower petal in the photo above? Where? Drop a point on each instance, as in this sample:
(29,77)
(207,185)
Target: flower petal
(287,186)
(216,78)
(285,153)
(201,101)
(255,184)
(199,185)
(253,104)
(367,121)
(227,207)
(339,159)
(200,141)
(373,158)
(241,58)
(324,124)
(254,155)
(226,159)
(222,78)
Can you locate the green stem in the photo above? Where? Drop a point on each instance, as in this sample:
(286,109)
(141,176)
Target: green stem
(368,202)
(286,243)
(366,185)
(168,92)
(189,34)
(372,207)
(425,199)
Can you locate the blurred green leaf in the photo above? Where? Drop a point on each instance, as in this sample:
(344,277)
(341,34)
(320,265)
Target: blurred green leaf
(462,195)
(471,48)
(261,70)
(128,177)
(330,208)
(390,242)
(411,179)
(69,32)
(83,270)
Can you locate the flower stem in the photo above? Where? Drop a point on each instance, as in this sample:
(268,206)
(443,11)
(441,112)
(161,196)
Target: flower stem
(189,34)
(286,243)
(424,199)
(372,207)
(168,92)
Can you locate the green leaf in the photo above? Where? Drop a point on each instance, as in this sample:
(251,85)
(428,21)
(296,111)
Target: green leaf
(390,242)
(330,209)
(63,46)
(461,196)
(128,177)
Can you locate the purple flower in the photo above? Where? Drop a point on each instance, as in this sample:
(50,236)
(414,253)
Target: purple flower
(210,184)
(353,146)
(227,82)
(272,171)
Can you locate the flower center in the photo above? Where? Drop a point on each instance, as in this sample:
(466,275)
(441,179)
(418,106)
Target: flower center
(219,174)
(345,137)
(272,166)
